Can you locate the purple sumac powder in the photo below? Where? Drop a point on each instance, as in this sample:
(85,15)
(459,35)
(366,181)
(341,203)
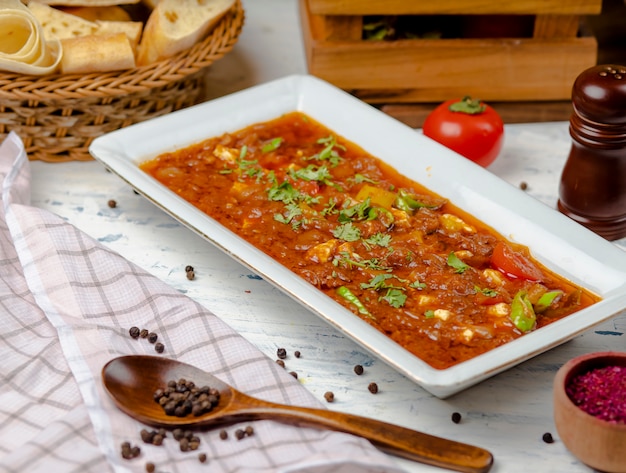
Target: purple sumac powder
(601,392)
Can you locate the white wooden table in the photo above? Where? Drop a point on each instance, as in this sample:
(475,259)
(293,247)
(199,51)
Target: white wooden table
(507,414)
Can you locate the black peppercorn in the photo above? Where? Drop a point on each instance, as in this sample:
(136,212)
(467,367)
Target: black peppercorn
(297,353)
(373,388)
(170,408)
(547,438)
(280,363)
(146,436)
(197,410)
(294,374)
(152,337)
(125,450)
(202,457)
(456,417)
(329,396)
(129,451)
(239,434)
(181,398)
(134,332)
(249,430)
(223,434)
(112,204)
(159,347)
(150,467)
(281,353)
(188,268)
(358,369)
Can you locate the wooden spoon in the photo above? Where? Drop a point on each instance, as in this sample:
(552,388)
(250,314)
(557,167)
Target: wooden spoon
(132,380)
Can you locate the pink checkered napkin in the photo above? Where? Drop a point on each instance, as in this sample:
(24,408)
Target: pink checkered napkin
(67,303)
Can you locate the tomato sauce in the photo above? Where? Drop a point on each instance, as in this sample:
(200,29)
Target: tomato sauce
(405,260)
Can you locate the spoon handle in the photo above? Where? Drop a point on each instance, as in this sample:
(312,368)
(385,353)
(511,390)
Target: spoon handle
(393,439)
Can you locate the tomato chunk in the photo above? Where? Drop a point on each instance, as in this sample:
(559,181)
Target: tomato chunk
(514,264)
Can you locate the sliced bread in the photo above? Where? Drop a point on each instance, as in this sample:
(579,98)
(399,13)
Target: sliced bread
(176,25)
(97,53)
(132,29)
(60,25)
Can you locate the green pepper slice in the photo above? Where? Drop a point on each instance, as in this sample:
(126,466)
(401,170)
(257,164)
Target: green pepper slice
(348,295)
(522,312)
(546,300)
(408,202)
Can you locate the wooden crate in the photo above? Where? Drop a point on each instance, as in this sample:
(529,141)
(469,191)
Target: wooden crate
(542,66)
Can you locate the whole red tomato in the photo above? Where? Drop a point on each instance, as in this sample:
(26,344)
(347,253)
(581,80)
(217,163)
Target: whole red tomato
(469,127)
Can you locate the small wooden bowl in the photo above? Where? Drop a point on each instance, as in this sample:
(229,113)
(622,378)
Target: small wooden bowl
(596,442)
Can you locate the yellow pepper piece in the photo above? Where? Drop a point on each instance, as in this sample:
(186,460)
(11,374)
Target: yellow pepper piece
(378,197)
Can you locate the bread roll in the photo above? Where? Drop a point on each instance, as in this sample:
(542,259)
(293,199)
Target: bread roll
(176,25)
(132,29)
(97,53)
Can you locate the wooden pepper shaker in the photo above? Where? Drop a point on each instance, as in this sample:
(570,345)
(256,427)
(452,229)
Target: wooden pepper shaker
(592,190)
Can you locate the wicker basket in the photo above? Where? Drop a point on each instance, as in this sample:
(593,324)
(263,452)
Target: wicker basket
(58,116)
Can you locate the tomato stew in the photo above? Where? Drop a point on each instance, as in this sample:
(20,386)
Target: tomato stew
(431,277)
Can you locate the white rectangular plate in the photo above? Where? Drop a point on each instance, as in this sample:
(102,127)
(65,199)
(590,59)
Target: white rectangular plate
(562,245)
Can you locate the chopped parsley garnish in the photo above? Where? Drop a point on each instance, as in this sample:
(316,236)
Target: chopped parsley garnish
(347,261)
(312,173)
(329,152)
(347,232)
(379,239)
(245,167)
(360,211)
(394,297)
(458,265)
(360,178)
(284,192)
(418,285)
(271,177)
(250,168)
(486,291)
(330,207)
(378,282)
(292,211)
